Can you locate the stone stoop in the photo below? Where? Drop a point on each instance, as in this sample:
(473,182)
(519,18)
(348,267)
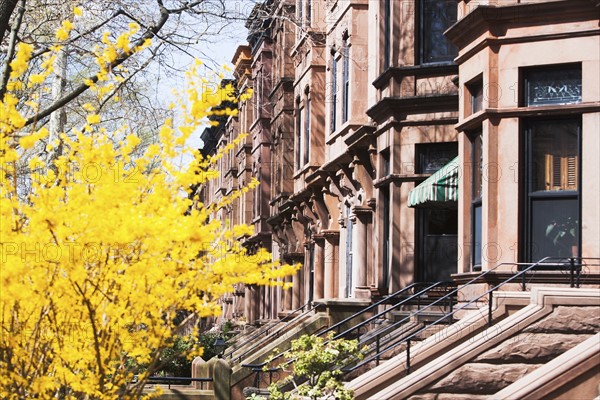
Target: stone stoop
(262,340)
(437,340)
(391,337)
(556,321)
(521,354)
(573,375)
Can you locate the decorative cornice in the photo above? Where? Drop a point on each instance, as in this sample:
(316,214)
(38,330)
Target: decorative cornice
(399,178)
(494,42)
(476,120)
(401,106)
(286,82)
(419,71)
(495,19)
(361,137)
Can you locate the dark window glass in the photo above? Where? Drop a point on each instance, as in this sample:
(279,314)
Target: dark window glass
(555,156)
(477,162)
(307,130)
(346,80)
(553,183)
(385,163)
(553,86)
(348,253)
(308,12)
(298,135)
(476,93)
(554,227)
(476,245)
(433,156)
(476,197)
(334,66)
(436,17)
(385,193)
(387,32)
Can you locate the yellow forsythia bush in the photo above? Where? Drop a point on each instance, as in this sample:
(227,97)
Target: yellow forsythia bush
(103,247)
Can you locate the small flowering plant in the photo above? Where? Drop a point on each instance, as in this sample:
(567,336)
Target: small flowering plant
(315,370)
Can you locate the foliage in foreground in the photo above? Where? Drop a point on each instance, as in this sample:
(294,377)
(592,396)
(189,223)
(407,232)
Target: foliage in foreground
(313,374)
(106,245)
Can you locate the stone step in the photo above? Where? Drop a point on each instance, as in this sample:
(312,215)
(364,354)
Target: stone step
(518,355)
(423,316)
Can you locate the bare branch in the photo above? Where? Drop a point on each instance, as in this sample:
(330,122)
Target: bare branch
(91,30)
(150,33)
(123,83)
(11,48)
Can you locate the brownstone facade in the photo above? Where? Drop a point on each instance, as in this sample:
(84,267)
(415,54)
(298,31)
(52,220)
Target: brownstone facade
(357,102)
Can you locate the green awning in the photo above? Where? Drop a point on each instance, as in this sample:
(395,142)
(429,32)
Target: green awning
(439,190)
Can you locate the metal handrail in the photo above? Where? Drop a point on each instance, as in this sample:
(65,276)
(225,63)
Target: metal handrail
(447,297)
(272,334)
(174,380)
(372,306)
(530,266)
(257,367)
(387,310)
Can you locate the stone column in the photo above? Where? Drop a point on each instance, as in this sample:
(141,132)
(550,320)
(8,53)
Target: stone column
(319,278)
(248,304)
(330,264)
(360,253)
(287,295)
(261,293)
(297,288)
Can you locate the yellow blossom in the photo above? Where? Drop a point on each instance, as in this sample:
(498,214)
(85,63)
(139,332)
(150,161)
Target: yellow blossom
(93,119)
(36,78)
(108,246)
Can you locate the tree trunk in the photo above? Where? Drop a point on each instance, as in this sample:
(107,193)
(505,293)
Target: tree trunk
(6,9)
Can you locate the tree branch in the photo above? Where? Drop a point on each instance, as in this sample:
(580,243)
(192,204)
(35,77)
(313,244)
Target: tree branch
(151,32)
(6,9)
(124,82)
(11,48)
(92,29)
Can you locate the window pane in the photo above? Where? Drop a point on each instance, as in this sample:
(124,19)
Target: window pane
(387,16)
(555,155)
(346,83)
(385,194)
(554,227)
(477,172)
(476,92)
(476,246)
(298,135)
(334,67)
(437,16)
(553,86)
(433,156)
(307,131)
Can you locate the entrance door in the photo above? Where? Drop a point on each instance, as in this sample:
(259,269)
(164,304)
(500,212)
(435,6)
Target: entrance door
(438,246)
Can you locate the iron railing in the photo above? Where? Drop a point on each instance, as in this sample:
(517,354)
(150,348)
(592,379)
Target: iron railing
(574,267)
(265,332)
(404,296)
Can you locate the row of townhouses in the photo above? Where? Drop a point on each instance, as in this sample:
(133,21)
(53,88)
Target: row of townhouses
(409,141)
